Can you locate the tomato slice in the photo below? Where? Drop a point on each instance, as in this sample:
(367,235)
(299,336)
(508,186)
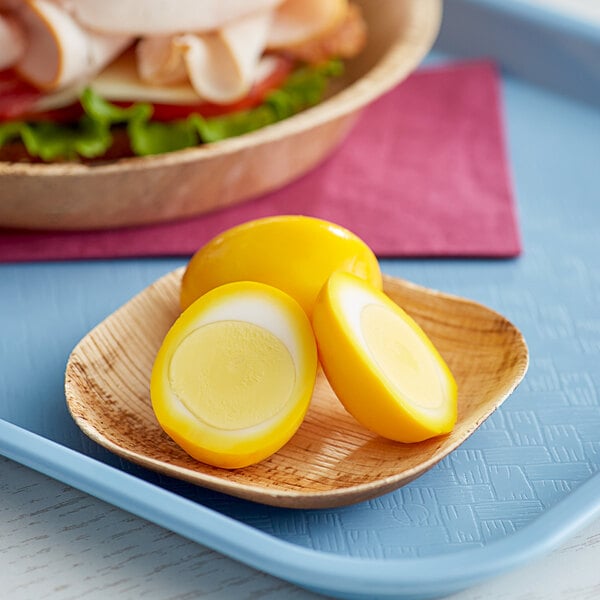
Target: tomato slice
(16,96)
(66,114)
(18,100)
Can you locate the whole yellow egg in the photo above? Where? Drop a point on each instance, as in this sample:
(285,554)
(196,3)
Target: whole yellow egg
(293,253)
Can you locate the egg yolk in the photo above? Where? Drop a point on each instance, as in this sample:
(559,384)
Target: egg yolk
(232,374)
(233,378)
(381,364)
(403,360)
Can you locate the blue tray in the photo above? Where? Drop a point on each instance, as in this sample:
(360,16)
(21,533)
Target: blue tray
(558,48)
(522,483)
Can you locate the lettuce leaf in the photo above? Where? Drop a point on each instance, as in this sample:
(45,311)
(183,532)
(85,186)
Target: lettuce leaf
(91,136)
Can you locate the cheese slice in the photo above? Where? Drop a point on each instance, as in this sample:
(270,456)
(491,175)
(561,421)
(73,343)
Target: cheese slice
(60,52)
(120,82)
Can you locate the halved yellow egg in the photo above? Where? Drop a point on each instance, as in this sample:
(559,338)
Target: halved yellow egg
(293,253)
(381,364)
(234,376)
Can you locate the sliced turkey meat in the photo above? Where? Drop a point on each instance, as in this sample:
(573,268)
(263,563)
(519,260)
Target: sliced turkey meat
(12,41)
(298,21)
(59,51)
(177,53)
(162,17)
(221,66)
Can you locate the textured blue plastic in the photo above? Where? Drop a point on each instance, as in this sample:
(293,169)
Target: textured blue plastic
(548,46)
(525,480)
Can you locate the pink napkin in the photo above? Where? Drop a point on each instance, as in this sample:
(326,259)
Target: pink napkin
(423,173)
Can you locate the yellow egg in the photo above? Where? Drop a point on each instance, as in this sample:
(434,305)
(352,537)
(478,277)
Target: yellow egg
(234,376)
(293,253)
(381,364)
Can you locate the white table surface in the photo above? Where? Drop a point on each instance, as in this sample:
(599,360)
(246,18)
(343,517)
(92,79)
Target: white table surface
(59,543)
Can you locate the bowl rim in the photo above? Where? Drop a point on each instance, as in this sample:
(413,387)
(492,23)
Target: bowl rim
(400,58)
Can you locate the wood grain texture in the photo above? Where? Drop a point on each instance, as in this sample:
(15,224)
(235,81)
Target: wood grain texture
(159,188)
(332,460)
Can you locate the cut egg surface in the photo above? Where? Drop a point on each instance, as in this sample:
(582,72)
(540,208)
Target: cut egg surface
(234,376)
(381,364)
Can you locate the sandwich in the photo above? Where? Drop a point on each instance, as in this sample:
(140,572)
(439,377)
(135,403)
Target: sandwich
(97,80)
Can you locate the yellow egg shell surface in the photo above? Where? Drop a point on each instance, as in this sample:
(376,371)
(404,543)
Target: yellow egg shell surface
(381,364)
(234,376)
(293,253)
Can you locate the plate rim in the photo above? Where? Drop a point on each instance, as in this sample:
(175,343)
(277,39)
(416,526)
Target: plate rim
(286,498)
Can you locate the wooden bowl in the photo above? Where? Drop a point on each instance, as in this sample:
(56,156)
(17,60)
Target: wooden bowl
(145,190)
(332,460)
